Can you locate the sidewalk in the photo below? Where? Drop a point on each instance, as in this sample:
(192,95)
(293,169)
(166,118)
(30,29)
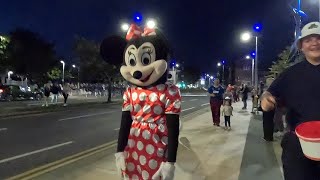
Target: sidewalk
(205,153)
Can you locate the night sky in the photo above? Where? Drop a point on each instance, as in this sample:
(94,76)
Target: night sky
(201,32)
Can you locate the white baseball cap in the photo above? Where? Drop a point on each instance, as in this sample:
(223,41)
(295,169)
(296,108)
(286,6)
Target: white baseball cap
(308,29)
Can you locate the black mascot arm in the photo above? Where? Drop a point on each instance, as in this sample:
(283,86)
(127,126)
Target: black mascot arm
(173,135)
(124,131)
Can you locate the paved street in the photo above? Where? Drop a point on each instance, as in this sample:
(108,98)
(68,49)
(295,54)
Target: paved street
(32,141)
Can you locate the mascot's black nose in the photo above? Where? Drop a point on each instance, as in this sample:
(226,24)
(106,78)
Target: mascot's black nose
(137,74)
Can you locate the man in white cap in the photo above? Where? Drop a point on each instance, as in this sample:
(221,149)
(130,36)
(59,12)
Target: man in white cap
(299,88)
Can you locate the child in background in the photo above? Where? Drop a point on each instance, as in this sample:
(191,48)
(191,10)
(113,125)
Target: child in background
(226,111)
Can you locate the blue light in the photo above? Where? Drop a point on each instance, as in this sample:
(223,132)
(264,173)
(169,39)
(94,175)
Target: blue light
(137,17)
(223,62)
(253,53)
(257,27)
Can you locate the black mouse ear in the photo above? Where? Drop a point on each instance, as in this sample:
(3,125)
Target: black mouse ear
(112,48)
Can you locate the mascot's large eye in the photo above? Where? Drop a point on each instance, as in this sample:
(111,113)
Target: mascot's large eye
(146,59)
(132,60)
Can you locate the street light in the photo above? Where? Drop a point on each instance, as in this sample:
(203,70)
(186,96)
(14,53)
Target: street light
(219,65)
(252,69)
(246,36)
(78,67)
(151,24)
(125,27)
(63,64)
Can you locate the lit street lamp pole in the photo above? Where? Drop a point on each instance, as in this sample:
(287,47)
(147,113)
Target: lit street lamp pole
(219,65)
(246,37)
(252,69)
(78,67)
(63,65)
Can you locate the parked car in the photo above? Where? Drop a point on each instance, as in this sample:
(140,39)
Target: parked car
(15,92)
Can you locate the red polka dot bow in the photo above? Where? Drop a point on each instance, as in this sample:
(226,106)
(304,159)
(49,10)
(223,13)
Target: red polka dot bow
(136,32)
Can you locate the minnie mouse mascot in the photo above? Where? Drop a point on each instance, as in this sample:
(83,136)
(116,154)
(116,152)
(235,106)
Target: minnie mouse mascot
(148,136)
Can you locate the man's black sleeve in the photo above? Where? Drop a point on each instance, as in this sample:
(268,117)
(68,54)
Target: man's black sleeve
(278,85)
(173,135)
(124,131)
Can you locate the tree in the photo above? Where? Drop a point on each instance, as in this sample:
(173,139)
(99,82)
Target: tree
(281,64)
(4,41)
(93,68)
(191,74)
(29,55)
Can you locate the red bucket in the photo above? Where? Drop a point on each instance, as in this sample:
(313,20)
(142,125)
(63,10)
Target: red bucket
(309,137)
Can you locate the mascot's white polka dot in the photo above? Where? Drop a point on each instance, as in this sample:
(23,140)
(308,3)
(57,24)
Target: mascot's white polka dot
(142,160)
(130,166)
(160,87)
(172,91)
(142,96)
(137,132)
(163,98)
(153,97)
(145,174)
(150,120)
(157,110)
(125,98)
(177,104)
(146,108)
(160,152)
(155,138)
(134,96)
(132,130)
(135,177)
(137,108)
(150,149)
(140,145)
(131,143)
(153,164)
(161,128)
(164,140)
(146,134)
(139,168)
(160,121)
(135,155)
(152,125)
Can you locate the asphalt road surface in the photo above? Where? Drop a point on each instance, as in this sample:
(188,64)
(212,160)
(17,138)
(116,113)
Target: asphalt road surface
(31,141)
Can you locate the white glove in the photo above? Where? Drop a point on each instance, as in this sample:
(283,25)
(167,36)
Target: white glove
(120,163)
(166,171)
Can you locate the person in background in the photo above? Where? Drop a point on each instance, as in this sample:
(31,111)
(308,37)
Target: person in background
(255,101)
(66,89)
(226,111)
(216,99)
(47,88)
(55,89)
(244,91)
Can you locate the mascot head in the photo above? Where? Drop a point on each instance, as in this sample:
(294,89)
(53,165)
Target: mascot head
(143,55)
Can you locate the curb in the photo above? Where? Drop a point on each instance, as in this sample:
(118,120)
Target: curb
(36,172)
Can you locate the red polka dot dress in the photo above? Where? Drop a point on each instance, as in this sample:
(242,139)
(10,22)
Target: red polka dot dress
(148,138)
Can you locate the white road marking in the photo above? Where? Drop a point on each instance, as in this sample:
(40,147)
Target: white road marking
(193,99)
(34,152)
(194,95)
(3,129)
(182,101)
(187,109)
(117,129)
(83,116)
(205,104)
